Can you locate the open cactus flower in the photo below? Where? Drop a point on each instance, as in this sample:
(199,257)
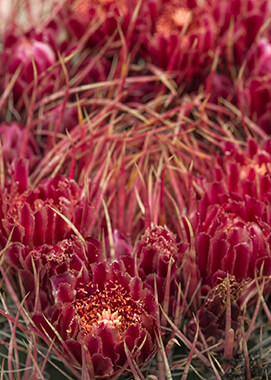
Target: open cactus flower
(232,220)
(108,318)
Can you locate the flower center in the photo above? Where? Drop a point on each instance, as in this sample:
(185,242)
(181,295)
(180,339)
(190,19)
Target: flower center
(112,306)
(110,319)
(80,9)
(174,20)
(182,17)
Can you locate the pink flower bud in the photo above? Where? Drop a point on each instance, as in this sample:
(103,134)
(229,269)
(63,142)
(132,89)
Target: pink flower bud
(11,136)
(23,54)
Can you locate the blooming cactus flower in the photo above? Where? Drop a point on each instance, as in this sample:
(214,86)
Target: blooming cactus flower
(156,248)
(239,22)
(219,315)
(158,256)
(35,267)
(111,314)
(182,35)
(44,215)
(256,95)
(104,14)
(258,58)
(232,220)
(21,53)
(11,135)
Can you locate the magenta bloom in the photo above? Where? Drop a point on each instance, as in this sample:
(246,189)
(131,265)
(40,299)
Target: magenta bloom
(69,255)
(21,52)
(219,314)
(258,58)
(107,15)
(258,98)
(30,213)
(232,220)
(106,313)
(11,136)
(157,247)
(158,256)
(256,94)
(181,38)
(239,22)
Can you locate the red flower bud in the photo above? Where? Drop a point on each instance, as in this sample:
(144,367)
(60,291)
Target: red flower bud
(22,53)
